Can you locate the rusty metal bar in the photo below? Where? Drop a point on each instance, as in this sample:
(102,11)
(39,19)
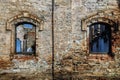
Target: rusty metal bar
(53,39)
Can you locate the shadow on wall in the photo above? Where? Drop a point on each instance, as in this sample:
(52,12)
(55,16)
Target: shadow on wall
(118,1)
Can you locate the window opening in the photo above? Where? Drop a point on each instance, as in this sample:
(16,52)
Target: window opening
(25,38)
(100,36)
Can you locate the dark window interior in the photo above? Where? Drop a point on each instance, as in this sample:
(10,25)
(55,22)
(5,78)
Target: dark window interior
(100,38)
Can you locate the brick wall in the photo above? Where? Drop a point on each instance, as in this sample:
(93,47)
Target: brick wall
(71,31)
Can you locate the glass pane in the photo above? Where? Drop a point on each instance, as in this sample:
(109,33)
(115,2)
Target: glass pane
(18,44)
(100,39)
(28,26)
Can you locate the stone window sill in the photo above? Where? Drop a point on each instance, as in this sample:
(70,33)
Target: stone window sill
(22,57)
(102,57)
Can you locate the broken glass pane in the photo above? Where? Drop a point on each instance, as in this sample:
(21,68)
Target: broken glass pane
(26,35)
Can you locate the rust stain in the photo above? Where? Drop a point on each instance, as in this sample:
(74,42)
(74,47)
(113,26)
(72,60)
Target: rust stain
(4,64)
(25,58)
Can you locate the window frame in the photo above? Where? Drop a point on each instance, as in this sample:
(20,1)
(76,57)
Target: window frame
(110,46)
(24,53)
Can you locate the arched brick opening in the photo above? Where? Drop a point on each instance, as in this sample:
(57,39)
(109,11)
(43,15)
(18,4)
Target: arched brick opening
(104,16)
(23,17)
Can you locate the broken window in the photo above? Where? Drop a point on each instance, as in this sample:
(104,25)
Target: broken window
(100,36)
(25,38)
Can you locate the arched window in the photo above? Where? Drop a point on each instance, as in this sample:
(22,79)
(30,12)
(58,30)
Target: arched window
(100,38)
(25,38)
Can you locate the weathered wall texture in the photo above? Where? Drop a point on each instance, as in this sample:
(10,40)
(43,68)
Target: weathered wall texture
(72,19)
(72,38)
(36,11)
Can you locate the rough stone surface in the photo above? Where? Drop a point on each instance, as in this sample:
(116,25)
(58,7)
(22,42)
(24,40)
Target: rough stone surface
(71,44)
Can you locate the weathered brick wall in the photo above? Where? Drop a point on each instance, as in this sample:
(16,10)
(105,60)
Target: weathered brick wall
(71,42)
(12,9)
